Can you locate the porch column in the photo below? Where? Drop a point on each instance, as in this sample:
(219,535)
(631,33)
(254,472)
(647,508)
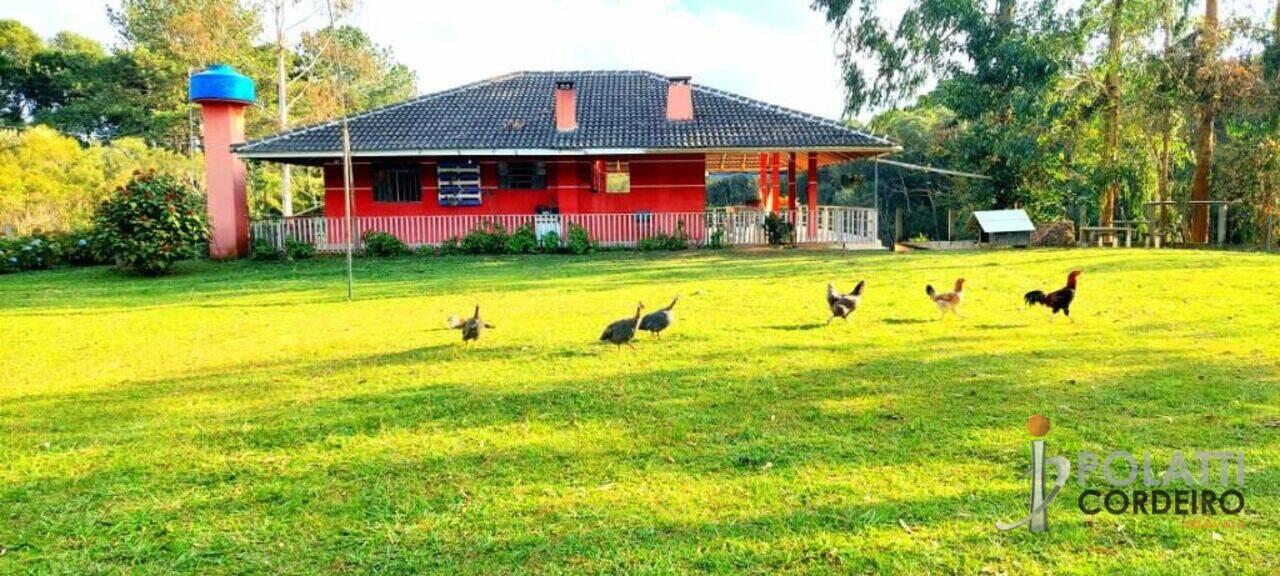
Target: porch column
(774,201)
(763,181)
(791,185)
(812,196)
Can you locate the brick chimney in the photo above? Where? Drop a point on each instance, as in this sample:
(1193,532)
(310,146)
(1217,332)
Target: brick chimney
(679,99)
(566,106)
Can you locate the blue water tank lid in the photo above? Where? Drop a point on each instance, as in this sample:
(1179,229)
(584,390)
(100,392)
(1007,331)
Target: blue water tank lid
(221,83)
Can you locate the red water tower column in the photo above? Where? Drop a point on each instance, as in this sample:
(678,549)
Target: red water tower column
(223,94)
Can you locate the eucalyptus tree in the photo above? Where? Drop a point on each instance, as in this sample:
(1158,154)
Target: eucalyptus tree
(995,67)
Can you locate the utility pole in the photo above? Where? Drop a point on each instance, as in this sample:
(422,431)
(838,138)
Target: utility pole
(282,107)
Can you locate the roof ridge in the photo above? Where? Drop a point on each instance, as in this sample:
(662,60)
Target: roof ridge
(415,100)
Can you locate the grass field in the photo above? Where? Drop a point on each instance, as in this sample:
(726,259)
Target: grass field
(243,418)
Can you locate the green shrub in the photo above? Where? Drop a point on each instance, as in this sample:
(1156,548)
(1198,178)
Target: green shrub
(298,250)
(717,240)
(489,238)
(384,245)
(550,242)
(35,252)
(777,230)
(579,241)
(151,223)
(522,241)
(264,251)
(450,247)
(82,249)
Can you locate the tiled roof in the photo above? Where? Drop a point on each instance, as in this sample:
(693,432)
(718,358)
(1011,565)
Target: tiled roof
(615,110)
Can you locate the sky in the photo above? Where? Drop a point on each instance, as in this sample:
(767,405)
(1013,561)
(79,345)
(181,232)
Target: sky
(778,51)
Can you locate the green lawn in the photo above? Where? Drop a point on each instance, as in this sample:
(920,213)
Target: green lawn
(244,418)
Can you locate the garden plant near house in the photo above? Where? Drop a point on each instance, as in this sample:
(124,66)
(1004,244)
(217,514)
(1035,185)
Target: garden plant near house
(153,222)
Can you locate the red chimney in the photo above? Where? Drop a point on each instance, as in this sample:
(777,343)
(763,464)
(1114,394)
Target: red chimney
(679,98)
(566,106)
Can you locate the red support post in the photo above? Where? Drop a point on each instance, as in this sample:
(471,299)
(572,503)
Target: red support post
(791,185)
(774,200)
(812,200)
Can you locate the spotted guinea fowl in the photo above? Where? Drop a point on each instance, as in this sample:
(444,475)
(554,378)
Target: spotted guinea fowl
(842,305)
(622,331)
(473,326)
(656,322)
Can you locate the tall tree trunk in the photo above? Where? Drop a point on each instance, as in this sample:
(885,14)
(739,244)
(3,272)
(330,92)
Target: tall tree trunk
(1163,163)
(1204,131)
(1107,204)
(282,109)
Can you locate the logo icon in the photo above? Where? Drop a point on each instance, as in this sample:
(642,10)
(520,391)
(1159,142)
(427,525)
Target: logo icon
(1037,520)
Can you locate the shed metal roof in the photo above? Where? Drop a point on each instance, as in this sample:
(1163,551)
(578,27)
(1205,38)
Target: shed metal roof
(998,221)
(617,111)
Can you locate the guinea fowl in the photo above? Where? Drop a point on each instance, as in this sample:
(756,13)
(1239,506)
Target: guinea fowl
(473,326)
(1058,299)
(622,331)
(842,305)
(656,322)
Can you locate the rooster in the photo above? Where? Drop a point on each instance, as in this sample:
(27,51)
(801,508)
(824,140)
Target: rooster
(842,305)
(949,302)
(1058,299)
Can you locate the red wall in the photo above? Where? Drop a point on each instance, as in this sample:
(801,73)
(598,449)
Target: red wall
(659,183)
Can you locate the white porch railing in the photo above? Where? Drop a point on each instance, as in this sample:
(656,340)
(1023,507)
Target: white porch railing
(850,227)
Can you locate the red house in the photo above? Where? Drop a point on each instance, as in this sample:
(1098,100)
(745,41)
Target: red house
(623,153)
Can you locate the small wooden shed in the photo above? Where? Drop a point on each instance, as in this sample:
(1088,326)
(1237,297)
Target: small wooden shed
(1005,227)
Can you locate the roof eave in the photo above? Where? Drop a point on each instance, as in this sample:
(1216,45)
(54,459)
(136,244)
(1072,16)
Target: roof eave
(327,154)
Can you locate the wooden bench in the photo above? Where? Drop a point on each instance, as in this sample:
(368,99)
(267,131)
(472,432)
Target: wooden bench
(1091,234)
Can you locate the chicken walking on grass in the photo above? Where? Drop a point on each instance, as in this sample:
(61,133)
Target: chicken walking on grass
(471,327)
(656,322)
(1058,299)
(948,302)
(842,305)
(624,330)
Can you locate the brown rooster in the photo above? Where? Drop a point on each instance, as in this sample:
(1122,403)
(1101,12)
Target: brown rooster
(1058,299)
(842,305)
(949,302)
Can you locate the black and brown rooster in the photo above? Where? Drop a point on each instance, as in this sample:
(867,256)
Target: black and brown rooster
(1058,299)
(842,305)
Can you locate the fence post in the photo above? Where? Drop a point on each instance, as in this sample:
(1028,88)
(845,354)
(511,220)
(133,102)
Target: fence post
(1222,224)
(1270,228)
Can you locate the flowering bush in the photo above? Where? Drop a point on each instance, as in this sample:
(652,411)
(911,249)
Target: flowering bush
(35,252)
(151,223)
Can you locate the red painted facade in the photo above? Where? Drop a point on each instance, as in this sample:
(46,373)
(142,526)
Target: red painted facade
(660,183)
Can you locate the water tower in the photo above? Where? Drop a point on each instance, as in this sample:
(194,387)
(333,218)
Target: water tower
(223,94)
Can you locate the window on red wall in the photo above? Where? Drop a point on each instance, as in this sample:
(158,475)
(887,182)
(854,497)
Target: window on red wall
(397,183)
(611,176)
(522,175)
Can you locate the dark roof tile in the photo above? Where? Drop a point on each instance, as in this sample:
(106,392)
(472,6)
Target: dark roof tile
(616,109)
